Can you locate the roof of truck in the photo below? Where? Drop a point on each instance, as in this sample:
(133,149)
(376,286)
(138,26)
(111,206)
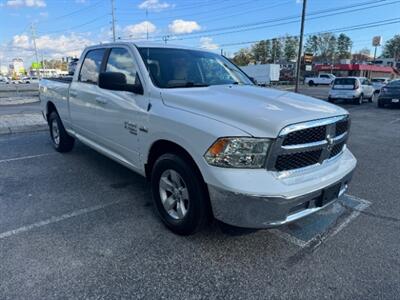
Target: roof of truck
(147,44)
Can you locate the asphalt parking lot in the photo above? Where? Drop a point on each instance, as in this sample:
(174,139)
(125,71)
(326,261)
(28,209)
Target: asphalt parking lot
(79,225)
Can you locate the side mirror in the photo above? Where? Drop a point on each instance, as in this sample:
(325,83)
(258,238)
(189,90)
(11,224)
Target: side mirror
(116,81)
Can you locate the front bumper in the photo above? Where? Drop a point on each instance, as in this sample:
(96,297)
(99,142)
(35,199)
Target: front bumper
(265,212)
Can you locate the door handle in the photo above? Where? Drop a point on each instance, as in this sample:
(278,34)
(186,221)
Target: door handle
(101,100)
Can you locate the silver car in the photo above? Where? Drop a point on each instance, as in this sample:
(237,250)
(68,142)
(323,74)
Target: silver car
(354,89)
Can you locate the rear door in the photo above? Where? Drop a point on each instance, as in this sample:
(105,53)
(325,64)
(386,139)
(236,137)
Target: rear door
(367,88)
(83,94)
(122,116)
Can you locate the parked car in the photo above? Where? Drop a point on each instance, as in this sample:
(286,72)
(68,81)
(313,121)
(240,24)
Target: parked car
(379,83)
(210,141)
(4,80)
(355,89)
(320,79)
(390,94)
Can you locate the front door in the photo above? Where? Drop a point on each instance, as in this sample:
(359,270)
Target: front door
(122,116)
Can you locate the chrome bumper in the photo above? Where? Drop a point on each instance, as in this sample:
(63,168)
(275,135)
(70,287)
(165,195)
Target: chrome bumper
(265,212)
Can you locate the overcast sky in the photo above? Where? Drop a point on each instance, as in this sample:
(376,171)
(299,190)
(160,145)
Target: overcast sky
(65,27)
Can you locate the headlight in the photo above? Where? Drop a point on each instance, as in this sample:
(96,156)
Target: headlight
(248,153)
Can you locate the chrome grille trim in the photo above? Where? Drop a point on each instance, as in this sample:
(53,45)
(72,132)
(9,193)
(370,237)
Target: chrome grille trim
(278,150)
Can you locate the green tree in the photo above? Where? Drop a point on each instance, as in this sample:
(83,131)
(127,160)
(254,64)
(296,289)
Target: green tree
(243,57)
(344,45)
(392,48)
(327,46)
(311,45)
(261,51)
(291,47)
(276,50)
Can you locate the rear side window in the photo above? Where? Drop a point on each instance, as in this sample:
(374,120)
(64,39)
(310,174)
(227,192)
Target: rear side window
(324,76)
(91,66)
(122,62)
(345,81)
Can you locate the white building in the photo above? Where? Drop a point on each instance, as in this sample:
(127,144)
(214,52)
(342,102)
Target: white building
(17,66)
(4,70)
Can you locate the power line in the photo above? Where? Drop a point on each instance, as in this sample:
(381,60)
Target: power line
(244,26)
(241,28)
(96,4)
(76,26)
(333,30)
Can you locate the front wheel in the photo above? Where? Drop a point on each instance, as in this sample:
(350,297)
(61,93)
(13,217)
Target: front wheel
(179,194)
(380,104)
(62,141)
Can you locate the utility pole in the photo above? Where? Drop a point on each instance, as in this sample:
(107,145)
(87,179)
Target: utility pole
(165,38)
(33,31)
(303,16)
(113,19)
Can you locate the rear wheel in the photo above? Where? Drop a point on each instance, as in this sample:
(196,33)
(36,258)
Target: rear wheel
(179,194)
(62,141)
(330,100)
(359,100)
(310,83)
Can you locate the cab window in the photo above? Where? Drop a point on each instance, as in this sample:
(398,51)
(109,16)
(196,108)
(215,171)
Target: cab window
(91,66)
(121,61)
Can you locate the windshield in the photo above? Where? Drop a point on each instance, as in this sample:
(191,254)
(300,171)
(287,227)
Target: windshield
(176,68)
(377,80)
(395,84)
(344,81)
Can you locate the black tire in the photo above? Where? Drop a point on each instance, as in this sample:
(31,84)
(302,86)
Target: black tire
(331,100)
(380,104)
(310,83)
(359,100)
(197,209)
(64,142)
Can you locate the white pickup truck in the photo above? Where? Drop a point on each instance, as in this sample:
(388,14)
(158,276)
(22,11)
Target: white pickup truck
(320,79)
(211,143)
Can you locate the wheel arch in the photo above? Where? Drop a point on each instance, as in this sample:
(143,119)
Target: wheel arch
(50,107)
(163,146)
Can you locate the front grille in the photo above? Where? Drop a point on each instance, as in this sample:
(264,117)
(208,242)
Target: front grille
(309,135)
(342,127)
(309,143)
(336,149)
(297,160)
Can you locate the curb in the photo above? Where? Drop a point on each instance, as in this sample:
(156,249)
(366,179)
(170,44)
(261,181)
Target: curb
(12,101)
(23,129)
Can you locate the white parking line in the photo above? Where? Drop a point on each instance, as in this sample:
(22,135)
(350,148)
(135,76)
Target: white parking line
(55,219)
(25,157)
(355,213)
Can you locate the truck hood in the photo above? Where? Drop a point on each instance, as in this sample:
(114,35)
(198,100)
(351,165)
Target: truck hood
(260,112)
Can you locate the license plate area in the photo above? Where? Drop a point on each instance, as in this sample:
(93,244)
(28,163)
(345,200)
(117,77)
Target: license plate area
(395,100)
(328,195)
